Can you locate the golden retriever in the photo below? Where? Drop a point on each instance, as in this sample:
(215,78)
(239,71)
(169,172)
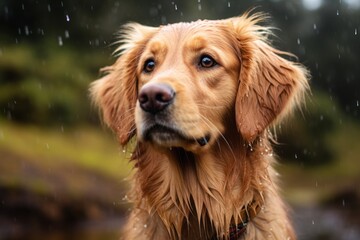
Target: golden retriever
(199,98)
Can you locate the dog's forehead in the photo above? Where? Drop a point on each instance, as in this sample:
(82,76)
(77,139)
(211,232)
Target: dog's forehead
(191,27)
(197,33)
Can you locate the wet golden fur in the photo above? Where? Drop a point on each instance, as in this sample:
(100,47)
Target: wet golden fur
(182,190)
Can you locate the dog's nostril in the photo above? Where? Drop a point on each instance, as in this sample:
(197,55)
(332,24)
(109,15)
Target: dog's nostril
(143,98)
(163,97)
(155,97)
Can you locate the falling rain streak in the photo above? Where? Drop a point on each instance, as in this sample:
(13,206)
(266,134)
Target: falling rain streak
(60,41)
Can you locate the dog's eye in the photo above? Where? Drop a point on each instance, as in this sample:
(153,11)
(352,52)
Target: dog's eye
(149,65)
(207,62)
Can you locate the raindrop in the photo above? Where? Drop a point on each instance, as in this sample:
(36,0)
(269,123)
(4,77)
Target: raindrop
(343,202)
(175,6)
(26,30)
(298,41)
(60,41)
(321,117)
(47,146)
(163,20)
(49,8)
(123,151)
(67,18)
(41,32)
(199,5)
(315,27)
(229,5)
(145,226)
(337,12)
(296,156)
(355,31)
(67,35)
(313,222)
(22,6)
(357,103)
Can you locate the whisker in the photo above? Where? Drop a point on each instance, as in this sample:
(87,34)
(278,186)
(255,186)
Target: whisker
(211,125)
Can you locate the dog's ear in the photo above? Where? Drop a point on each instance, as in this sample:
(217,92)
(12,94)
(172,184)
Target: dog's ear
(269,84)
(116,93)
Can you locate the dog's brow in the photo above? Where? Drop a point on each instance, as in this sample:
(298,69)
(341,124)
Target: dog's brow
(157,47)
(196,43)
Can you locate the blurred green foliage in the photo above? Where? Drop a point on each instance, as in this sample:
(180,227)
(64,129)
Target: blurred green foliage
(46,84)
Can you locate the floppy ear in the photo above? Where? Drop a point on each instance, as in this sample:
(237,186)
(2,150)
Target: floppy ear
(116,93)
(269,84)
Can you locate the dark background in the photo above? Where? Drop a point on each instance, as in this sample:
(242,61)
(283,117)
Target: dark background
(62,175)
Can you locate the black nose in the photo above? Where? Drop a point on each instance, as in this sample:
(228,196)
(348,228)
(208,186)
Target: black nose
(154,98)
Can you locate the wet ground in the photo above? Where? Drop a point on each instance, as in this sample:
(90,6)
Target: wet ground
(311,223)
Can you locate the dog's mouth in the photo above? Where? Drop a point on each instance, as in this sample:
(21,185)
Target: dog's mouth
(171,137)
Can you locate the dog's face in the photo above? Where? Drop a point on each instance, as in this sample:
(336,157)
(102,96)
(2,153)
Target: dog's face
(184,85)
(187,78)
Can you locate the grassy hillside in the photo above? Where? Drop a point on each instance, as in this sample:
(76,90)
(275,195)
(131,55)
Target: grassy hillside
(58,177)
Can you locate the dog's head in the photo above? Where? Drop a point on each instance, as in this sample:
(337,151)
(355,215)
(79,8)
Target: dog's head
(182,85)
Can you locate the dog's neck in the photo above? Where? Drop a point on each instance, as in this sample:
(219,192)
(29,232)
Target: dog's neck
(180,185)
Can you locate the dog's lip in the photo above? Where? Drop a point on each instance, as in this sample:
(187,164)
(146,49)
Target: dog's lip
(163,129)
(170,133)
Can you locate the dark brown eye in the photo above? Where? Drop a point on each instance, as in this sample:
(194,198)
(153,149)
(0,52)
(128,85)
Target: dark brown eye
(207,62)
(149,65)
